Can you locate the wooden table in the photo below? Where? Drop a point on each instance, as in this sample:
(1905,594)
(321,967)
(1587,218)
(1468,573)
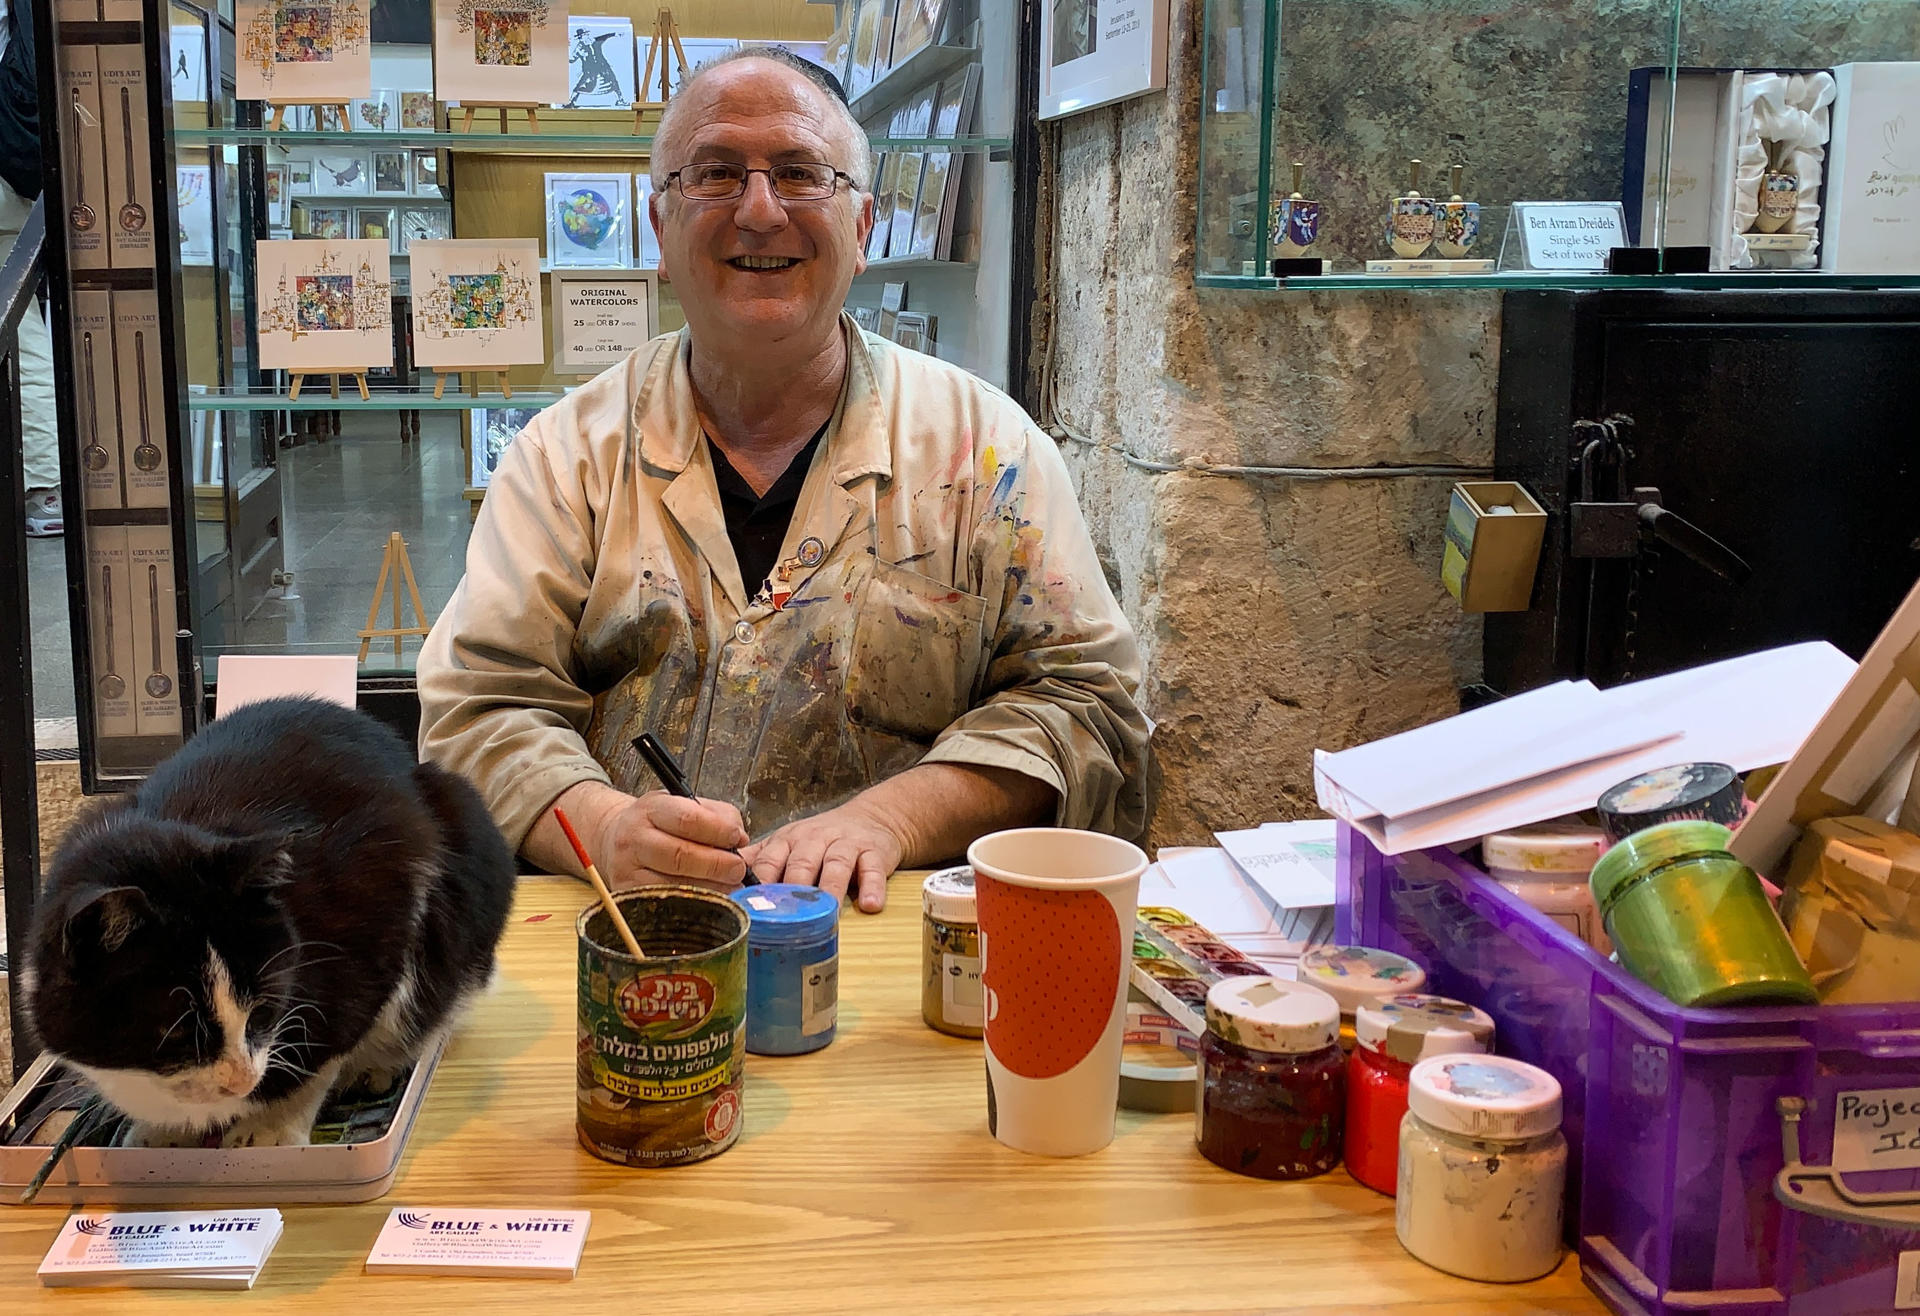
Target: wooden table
(865,1180)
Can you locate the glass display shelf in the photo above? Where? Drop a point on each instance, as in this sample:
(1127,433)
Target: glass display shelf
(314,396)
(1354,281)
(495,143)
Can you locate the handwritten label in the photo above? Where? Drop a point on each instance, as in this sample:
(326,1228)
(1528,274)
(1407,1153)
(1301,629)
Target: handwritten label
(1568,235)
(1878,1130)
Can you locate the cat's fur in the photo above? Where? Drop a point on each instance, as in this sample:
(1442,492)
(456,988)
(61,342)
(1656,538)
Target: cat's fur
(289,904)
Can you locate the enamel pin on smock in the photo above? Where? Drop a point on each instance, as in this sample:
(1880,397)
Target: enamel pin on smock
(809,555)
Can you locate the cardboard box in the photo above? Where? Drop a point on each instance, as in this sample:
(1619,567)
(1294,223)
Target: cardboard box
(155,619)
(1491,555)
(96,400)
(120,11)
(110,603)
(123,97)
(77,11)
(88,216)
(1873,171)
(143,399)
(1852,910)
(1858,760)
(1701,98)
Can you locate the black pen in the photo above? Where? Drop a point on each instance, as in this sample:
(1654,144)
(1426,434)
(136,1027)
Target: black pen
(657,757)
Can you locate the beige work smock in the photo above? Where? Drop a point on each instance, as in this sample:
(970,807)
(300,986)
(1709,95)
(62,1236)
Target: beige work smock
(943,604)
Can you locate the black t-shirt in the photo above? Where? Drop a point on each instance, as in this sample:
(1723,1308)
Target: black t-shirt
(757,523)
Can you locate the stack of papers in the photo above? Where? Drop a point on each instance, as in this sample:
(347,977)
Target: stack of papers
(1266,891)
(161,1249)
(1552,751)
(468,1241)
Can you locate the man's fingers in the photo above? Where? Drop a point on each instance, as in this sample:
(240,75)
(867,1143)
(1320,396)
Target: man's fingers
(871,882)
(836,869)
(709,822)
(804,860)
(768,859)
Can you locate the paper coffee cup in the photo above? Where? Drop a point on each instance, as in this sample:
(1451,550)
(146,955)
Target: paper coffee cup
(1056,911)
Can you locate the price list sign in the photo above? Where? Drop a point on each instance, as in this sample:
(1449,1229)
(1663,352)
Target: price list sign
(599,316)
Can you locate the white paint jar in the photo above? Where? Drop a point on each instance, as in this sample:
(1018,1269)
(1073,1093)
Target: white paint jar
(1547,866)
(1483,1168)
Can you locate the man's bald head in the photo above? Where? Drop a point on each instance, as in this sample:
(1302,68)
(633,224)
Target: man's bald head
(808,83)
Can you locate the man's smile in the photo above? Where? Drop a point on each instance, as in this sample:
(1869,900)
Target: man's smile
(758,263)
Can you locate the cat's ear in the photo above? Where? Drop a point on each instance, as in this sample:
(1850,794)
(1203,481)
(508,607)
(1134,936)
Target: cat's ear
(106,918)
(259,863)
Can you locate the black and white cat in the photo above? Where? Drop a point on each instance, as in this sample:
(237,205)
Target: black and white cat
(289,904)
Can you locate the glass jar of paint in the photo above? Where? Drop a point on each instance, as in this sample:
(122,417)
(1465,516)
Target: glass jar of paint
(1483,1168)
(1272,1079)
(1693,922)
(793,967)
(1390,1038)
(1358,975)
(951,999)
(1547,866)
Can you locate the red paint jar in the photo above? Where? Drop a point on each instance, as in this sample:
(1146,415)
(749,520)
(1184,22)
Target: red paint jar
(1272,1080)
(1390,1037)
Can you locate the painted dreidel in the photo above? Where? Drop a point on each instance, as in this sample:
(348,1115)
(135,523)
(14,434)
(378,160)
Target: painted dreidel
(1779,196)
(1456,222)
(1410,218)
(1295,221)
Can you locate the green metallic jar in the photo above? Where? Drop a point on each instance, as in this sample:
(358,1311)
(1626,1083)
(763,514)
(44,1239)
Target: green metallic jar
(1693,922)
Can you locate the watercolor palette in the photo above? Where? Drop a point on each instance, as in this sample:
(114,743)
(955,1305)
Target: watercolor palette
(1175,961)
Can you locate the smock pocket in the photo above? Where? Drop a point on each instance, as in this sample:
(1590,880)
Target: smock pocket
(916,651)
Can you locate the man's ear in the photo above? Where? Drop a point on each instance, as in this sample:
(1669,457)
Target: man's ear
(655,202)
(862,230)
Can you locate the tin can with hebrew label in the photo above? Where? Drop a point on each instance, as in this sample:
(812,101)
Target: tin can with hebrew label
(661,1058)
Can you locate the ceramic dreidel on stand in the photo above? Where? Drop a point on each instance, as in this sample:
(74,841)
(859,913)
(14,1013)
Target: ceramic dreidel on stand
(1456,222)
(1410,218)
(1295,220)
(1779,194)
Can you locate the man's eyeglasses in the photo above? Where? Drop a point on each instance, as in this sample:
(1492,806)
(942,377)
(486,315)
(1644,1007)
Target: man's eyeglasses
(715,180)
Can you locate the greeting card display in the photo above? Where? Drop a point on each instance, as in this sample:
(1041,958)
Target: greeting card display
(378,113)
(589,219)
(324,306)
(344,174)
(302,51)
(476,303)
(500,52)
(600,55)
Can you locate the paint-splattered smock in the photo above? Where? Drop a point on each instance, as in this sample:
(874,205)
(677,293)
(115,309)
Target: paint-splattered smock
(941,603)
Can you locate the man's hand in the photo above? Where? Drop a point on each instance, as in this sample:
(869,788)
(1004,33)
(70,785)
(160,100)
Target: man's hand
(847,847)
(647,840)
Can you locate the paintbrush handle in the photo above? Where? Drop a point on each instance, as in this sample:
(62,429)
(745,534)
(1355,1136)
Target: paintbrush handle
(600,885)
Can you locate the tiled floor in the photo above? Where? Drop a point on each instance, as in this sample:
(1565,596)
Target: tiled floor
(341,499)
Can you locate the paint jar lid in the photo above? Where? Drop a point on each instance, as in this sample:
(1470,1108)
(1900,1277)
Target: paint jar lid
(1649,849)
(1272,1014)
(1411,1027)
(1489,1097)
(1549,852)
(784,914)
(1355,975)
(1711,792)
(948,896)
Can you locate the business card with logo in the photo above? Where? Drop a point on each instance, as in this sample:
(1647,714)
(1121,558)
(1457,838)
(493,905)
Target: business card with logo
(172,1249)
(468,1241)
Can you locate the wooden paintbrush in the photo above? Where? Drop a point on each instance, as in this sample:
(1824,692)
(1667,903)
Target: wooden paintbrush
(600,885)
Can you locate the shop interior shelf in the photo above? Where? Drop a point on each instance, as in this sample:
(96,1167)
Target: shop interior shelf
(315,397)
(919,72)
(523,143)
(1520,279)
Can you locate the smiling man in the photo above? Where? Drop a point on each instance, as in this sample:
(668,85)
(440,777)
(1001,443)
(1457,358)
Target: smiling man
(849,585)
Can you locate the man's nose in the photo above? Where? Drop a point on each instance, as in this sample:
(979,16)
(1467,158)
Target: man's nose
(758,209)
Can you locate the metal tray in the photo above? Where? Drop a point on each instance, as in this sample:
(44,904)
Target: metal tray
(358,1168)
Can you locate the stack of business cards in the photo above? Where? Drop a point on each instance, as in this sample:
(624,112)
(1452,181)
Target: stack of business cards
(162,1249)
(504,1244)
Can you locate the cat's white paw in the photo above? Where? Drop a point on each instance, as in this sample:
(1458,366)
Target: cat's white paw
(250,1133)
(377,1081)
(160,1135)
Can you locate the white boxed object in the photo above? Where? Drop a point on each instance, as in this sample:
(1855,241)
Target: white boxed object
(88,216)
(155,619)
(130,211)
(143,422)
(1873,171)
(97,400)
(112,609)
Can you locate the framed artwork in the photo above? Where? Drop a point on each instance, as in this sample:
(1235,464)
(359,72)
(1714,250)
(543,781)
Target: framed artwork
(489,51)
(600,71)
(833,57)
(885,187)
(489,431)
(867,317)
(341,174)
(378,113)
(426,173)
(589,220)
(699,50)
(300,178)
(893,298)
(600,317)
(915,119)
(374,224)
(872,37)
(416,111)
(476,303)
(422,224)
(323,305)
(649,241)
(334,223)
(194,189)
(392,171)
(189,55)
(279,199)
(1096,52)
(302,51)
(913,329)
(916,24)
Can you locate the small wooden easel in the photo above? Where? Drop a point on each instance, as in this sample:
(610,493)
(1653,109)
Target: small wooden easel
(666,45)
(357,376)
(473,380)
(279,120)
(532,109)
(398,565)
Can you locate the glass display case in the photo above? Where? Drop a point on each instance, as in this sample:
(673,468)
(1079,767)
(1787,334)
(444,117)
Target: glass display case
(285,472)
(1668,144)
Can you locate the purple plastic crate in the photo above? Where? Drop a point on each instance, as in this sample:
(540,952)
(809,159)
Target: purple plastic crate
(1671,1115)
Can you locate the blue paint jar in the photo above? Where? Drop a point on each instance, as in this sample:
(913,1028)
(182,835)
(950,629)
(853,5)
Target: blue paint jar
(793,968)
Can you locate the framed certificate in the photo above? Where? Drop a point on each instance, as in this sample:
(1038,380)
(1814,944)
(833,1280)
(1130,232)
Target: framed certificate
(600,316)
